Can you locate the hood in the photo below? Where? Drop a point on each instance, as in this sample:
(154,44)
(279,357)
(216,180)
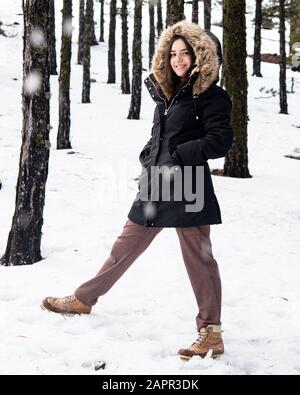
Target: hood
(204,45)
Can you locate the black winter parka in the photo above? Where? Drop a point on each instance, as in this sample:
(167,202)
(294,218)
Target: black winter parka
(187,131)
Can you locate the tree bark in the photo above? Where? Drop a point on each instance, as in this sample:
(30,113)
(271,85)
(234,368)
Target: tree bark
(207,14)
(63,135)
(294,23)
(236,84)
(135,105)
(257,39)
(112,43)
(125,83)
(151,32)
(52,49)
(86,83)
(81,32)
(175,11)
(93,36)
(101,38)
(24,240)
(159,25)
(195,11)
(282,73)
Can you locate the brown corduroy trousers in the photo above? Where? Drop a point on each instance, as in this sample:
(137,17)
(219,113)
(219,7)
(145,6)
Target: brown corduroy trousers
(197,254)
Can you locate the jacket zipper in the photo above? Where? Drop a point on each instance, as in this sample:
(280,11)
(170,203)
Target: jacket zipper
(168,108)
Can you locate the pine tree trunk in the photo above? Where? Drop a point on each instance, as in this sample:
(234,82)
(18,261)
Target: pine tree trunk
(125,82)
(175,11)
(257,39)
(224,15)
(86,83)
(135,105)
(63,135)
(101,38)
(112,43)
(207,14)
(81,31)
(24,240)
(52,49)
(282,73)
(294,23)
(159,25)
(195,11)
(93,36)
(236,84)
(151,32)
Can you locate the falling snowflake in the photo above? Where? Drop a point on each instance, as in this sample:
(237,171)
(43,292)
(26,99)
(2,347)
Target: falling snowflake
(149,210)
(68,27)
(37,38)
(32,83)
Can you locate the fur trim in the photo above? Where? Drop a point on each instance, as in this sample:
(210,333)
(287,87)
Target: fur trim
(205,51)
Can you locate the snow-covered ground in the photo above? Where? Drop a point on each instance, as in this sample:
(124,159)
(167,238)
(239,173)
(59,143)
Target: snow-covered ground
(149,314)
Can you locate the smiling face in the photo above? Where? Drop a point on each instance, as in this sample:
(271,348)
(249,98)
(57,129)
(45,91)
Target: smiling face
(180,58)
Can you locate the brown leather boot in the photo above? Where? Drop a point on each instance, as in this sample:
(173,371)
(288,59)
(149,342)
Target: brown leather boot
(65,305)
(209,339)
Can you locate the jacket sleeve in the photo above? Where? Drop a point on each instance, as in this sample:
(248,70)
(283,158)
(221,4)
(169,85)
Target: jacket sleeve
(215,110)
(145,151)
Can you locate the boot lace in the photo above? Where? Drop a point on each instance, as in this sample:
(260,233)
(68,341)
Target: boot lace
(68,299)
(202,336)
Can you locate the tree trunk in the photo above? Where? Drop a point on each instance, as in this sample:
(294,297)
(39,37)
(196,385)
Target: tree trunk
(93,36)
(112,43)
(24,240)
(236,84)
(159,25)
(63,135)
(81,31)
(151,32)
(86,84)
(257,39)
(207,14)
(125,82)
(52,49)
(195,11)
(135,105)
(294,23)
(101,38)
(282,73)
(175,11)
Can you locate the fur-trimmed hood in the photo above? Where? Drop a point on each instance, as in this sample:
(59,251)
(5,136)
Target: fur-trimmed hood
(206,63)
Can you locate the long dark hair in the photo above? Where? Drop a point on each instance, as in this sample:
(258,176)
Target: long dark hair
(172,82)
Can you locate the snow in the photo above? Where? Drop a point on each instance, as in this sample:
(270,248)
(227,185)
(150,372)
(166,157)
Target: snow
(149,314)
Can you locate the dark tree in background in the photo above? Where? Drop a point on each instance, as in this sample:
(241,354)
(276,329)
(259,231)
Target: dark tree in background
(207,14)
(236,84)
(294,22)
(135,105)
(52,49)
(87,32)
(195,11)
(112,43)
(81,30)
(159,25)
(24,240)
(151,31)
(282,73)
(101,38)
(93,36)
(63,135)
(125,82)
(257,39)
(175,11)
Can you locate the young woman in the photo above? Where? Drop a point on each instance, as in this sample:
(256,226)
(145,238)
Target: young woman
(191,125)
